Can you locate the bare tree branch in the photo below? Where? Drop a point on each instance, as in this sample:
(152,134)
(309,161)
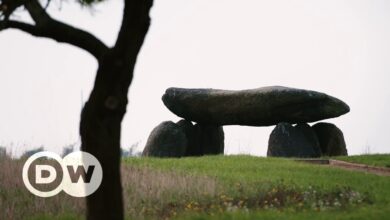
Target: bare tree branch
(7,7)
(31,29)
(45,26)
(37,12)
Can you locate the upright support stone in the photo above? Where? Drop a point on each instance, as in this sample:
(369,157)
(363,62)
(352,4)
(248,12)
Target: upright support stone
(293,141)
(331,139)
(166,140)
(211,138)
(193,138)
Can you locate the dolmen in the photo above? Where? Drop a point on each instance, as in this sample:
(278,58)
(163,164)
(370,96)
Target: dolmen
(204,112)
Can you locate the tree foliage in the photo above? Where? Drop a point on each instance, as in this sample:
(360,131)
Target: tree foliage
(9,7)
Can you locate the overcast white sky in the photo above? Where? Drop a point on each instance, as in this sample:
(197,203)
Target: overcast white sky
(338,47)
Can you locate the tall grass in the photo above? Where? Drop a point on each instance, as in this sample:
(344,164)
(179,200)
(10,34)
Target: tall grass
(146,192)
(18,203)
(149,192)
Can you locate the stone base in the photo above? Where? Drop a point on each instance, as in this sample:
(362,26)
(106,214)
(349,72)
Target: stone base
(293,141)
(166,140)
(301,140)
(331,139)
(180,139)
(211,139)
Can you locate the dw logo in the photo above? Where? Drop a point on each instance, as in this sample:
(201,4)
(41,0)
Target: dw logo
(79,174)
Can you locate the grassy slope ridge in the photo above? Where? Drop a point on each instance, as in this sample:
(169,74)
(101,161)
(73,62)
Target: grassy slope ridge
(381,160)
(217,187)
(256,172)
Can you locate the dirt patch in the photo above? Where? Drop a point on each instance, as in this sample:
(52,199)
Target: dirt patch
(382,171)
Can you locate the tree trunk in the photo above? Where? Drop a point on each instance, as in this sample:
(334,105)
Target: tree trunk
(100,126)
(101,118)
(100,130)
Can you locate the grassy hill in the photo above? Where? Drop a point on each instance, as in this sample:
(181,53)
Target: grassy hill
(227,187)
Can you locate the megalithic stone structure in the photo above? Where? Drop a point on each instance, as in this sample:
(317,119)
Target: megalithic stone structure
(210,109)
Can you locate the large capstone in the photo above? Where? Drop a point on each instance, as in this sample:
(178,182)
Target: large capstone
(256,107)
(331,139)
(166,140)
(293,141)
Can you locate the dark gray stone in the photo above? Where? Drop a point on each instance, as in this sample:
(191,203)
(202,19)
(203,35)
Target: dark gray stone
(256,107)
(293,141)
(211,139)
(166,140)
(331,139)
(193,138)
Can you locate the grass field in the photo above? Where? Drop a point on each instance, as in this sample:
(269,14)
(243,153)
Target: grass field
(218,187)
